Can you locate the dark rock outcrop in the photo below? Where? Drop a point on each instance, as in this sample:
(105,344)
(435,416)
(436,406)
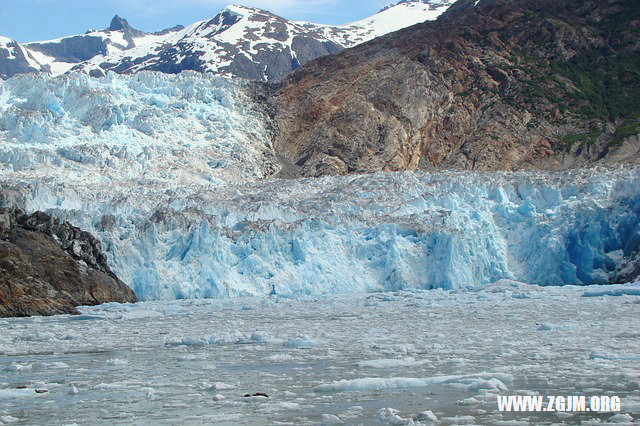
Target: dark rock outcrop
(72,49)
(490,85)
(14,60)
(48,267)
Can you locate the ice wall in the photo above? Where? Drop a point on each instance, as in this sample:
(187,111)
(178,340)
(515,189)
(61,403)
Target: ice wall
(361,234)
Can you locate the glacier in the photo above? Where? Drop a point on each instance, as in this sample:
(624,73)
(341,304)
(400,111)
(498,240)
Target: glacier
(171,174)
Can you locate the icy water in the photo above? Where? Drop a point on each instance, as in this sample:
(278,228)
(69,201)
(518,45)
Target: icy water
(340,358)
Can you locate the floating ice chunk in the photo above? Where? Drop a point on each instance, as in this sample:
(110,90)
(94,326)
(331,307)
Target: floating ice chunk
(614,290)
(390,416)
(462,420)
(7,420)
(18,367)
(614,357)
(219,397)
(330,419)
(303,341)
(468,401)
(116,362)
(427,417)
(563,415)
(286,405)
(620,418)
(73,391)
(390,363)
(492,381)
(218,386)
(545,327)
(217,339)
(37,337)
(192,357)
(279,358)
(8,394)
(56,365)
(555,327)
(141,314)
(260,337)
(490,385)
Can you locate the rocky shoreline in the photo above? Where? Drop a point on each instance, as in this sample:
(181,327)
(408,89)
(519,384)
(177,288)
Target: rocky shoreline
(48,267)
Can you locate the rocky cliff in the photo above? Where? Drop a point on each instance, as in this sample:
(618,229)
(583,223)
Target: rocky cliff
(16,59)
(490,85)
(48,267)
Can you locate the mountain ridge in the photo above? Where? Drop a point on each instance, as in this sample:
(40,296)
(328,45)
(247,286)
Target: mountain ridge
(239,41)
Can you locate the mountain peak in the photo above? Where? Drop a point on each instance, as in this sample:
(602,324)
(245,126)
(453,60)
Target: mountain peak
(238,9)
(118,24)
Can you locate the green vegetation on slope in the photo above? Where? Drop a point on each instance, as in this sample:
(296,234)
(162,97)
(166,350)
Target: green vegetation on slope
(609,83)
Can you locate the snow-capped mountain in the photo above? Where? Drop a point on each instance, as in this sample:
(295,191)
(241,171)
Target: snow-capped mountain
(239,41)
(60,55)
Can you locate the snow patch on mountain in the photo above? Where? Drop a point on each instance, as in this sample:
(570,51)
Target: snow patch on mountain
(62,54)
(394,18)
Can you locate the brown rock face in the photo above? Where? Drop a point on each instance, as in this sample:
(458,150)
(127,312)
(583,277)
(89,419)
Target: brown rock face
(49,268)
(502,85)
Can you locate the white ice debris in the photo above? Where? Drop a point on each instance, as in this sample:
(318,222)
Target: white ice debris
(609,356)
(621,418)
(13,367)
(330,419)
(390,416)
(473,382)
(390,363)
(614,290)
(116,362)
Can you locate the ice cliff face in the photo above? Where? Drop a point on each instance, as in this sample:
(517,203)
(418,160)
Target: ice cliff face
(167,172)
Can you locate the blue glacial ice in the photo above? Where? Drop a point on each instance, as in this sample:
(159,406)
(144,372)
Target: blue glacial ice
(382,232)
(168,172)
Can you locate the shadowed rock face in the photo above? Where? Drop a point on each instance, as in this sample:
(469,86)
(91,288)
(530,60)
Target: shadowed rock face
(49,268)
(13,60)
(498,85)
(73,49)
